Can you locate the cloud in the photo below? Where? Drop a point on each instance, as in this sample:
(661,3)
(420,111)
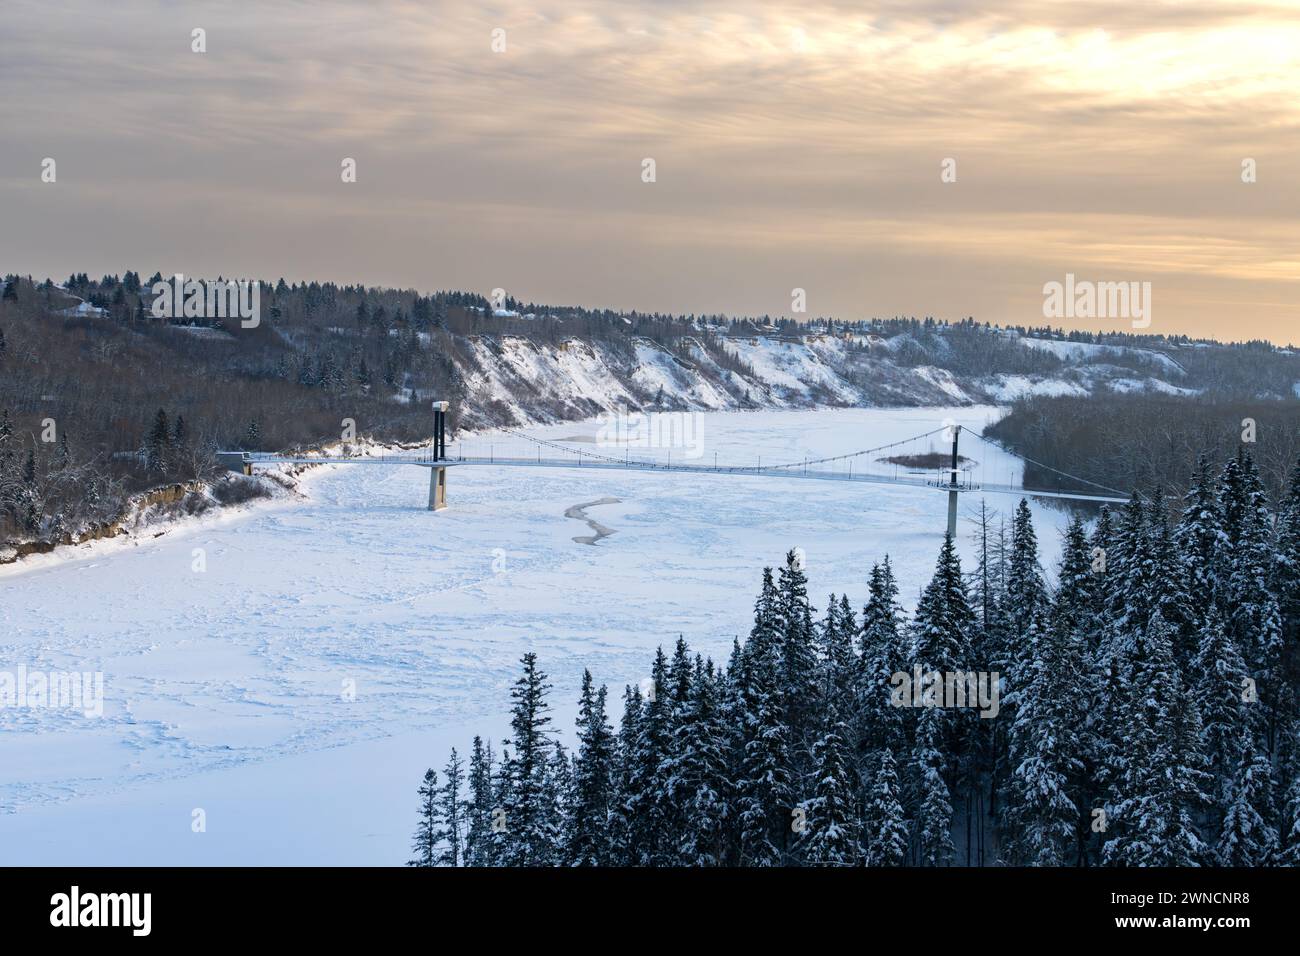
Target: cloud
(795,138)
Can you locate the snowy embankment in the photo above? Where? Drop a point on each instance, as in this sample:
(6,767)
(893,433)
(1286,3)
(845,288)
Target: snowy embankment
(514,379)
(336,645)
(187,507)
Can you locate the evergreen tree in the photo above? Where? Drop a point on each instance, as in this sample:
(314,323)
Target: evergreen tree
(1128,592)
(830,837)
(1290,822)
(703,772)
(1161,779)
(933,825)
(1200,539)
(942,625)
(941,631)
(764,785)
(557,800)
(1251,612)
(1042,818)
(1287,587)
(1165,577)
(883,654)
(1099,547)
(452,809)
(798,648)
(429,832)
(647,803)
(1026,604)
(478,833)
(158,447)
(1219,672)
(588,829)
(884,825)
(502,850)
(838,665)
(1248,837)
(624,828)
(531,840)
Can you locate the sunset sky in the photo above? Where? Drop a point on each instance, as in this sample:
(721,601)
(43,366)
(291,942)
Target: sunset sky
(796,145)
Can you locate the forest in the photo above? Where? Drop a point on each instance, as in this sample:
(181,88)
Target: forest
(1149,709)
(1148,442)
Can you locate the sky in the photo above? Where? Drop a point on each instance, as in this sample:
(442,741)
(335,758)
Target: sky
(796,145)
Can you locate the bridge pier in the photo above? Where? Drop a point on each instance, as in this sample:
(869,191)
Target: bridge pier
(438,476)
(952,486)
(437,489)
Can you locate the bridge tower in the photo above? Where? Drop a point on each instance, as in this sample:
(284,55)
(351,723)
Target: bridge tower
(437,475)
(952,486)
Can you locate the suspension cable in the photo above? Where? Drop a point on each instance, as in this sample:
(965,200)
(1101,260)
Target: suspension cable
(794,464)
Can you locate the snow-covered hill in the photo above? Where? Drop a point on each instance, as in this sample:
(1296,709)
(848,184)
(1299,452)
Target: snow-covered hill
(516,380)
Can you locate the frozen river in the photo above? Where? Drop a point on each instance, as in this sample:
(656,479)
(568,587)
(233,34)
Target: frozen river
(337,645)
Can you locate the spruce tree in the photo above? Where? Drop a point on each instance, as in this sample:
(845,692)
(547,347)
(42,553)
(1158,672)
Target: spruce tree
(1042,818)
(647,803)
(705,784)
(884,824)
(503,850)
(1027,603)
(941,632)
(942,626)
(1128,593)
(798,649)
(1165,576)
(838,664)
(588,829)
(1219,672)
(933,824)
(1100,544)
(428,834)
(830,836)
(478,842)
(1289,836)
(557,801)
(764,785)
(1248,837)
(624,829)
(158,447)
(452,810)
(1161,783)
(1200,539)
(1251,612)
(531,839)
(1286,584)
(883,653)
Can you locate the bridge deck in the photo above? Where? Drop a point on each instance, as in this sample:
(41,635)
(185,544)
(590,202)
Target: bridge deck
(580,464)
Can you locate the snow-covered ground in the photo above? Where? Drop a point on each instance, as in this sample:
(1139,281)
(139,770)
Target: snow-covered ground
(227,690)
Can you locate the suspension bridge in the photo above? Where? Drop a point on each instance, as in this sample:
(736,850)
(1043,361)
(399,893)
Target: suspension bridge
(947,471)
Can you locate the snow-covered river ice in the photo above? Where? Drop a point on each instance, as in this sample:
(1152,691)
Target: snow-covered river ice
(338,644)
